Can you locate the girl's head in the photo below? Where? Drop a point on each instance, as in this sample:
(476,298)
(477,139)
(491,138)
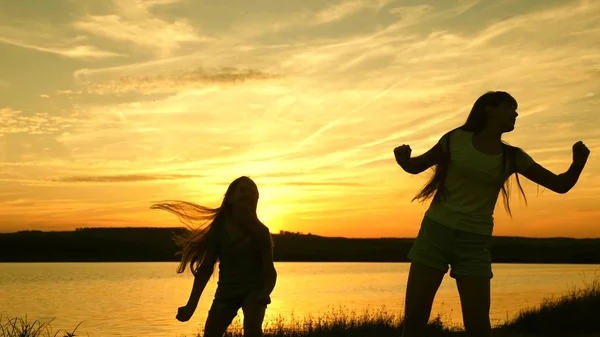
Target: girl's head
(495,110)
(241,198)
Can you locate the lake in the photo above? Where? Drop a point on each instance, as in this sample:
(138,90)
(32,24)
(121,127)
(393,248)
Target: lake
(141,299)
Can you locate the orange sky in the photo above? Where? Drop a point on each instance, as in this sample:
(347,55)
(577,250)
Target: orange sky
(107,107)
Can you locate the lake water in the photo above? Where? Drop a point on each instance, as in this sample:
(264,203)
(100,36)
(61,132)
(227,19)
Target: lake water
(141,299)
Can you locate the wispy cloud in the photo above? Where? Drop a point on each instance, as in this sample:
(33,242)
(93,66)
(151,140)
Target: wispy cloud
(342,10)
(153,3)
(463,6)
(78,51)
(319,184)
(133,22)
(15,121)
(177,81)
(125,178)
(68,92)
(330,14)
(585,11)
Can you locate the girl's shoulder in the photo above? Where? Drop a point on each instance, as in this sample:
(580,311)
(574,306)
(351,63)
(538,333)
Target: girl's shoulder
(264,235)
(264,231)
(454,136)
(459,132)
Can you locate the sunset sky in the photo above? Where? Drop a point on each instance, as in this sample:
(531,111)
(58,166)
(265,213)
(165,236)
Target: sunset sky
(109,106)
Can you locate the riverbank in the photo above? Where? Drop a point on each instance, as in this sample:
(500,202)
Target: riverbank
(574,314)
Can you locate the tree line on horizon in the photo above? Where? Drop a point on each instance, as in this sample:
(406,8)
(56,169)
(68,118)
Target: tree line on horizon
(157,245)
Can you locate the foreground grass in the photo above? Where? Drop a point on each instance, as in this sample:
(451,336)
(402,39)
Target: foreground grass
(21,327)
(344,323)
(575,314)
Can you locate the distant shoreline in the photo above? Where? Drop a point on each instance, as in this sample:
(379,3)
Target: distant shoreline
(276,234)
(312,262)
(156,245)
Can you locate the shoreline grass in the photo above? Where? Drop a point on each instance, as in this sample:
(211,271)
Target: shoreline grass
(574,314)
(22,327)
(344,322)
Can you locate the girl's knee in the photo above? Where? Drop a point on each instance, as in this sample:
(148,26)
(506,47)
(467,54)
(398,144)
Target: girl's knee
(218,320)
(253,321)
(253,326)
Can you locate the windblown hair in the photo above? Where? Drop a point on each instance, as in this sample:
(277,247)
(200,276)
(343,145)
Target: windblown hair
(194,242)
(476,121)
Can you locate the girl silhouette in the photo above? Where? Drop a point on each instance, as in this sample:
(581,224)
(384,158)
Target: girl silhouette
(472,166)
(242,244)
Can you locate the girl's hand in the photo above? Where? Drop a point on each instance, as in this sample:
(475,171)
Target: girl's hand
(402,154)
(580,153)
(185,313)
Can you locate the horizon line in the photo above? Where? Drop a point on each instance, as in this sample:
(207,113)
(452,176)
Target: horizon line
(284,232)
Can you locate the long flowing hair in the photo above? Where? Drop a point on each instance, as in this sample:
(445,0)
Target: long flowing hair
(476,121)
(201,223)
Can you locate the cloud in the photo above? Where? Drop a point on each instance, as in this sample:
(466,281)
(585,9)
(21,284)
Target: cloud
(340,11)
(68,92)
(463,6)
(319,184)
(583,11)
(7,113)
(125,178)
(15,121)
(177,81)
(133,22)
(44,96)
(77,52)
(299,18)
(411,14)
(154,3)
(23,202)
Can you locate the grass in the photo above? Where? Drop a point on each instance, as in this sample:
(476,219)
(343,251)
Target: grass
(343,323)
(574,314)
(21,327)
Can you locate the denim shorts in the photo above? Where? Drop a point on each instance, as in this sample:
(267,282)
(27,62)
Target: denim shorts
(232,303)
(226,308)
(440,247)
